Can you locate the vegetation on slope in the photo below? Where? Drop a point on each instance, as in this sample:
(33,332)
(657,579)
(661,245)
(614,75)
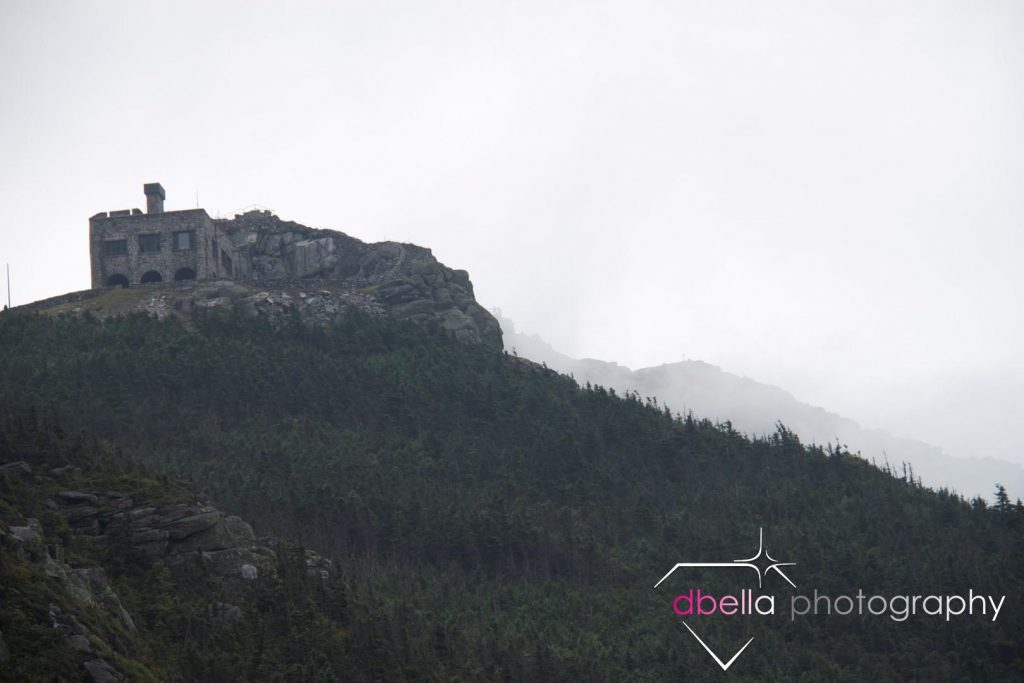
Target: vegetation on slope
(496,521)
(74,602)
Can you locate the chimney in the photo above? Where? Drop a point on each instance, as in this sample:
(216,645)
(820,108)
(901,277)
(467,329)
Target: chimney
(155,196)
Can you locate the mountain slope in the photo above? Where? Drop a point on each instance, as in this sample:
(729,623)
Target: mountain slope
(498,521)
(756,408)
(110,573)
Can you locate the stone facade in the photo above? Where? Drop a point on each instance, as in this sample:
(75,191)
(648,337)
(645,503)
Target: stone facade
(129,247)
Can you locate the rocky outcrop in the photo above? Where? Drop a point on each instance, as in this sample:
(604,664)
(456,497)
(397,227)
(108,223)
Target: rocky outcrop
(183,531)
(314,303)
(88,591)
(287,271)
(178,533)
(404,278)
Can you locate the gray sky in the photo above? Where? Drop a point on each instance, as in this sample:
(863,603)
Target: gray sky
(824,196)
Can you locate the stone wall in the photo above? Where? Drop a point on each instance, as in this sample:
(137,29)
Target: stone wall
(204,258)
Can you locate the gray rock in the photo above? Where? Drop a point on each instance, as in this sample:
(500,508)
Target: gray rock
(53,562)
(80,643)
(77,627)
(102,671)
(179,533)
(89,585)
(226,611)
(225,532)
(148,535)
(413,308)
(193,524)
(138,513)
(153,549)
(18,466)
(402,274)
(80,514)
(166,515)
(33,531)
(77,497)
(231,562)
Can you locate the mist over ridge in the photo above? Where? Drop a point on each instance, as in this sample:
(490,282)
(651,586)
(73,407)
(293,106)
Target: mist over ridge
(755,408)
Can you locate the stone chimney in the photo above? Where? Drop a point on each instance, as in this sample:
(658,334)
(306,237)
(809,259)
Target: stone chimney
(155,196)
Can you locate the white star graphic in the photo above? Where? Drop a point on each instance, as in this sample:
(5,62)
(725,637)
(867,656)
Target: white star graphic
(761,569)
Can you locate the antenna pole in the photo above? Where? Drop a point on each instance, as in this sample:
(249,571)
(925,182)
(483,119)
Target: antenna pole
(8,285)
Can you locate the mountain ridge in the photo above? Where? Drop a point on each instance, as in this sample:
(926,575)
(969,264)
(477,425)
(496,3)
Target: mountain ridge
(755,408)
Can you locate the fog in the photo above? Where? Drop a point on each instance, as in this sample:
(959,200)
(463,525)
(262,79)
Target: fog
(825,197)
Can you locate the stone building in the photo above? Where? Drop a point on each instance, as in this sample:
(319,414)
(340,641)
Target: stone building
(129,247)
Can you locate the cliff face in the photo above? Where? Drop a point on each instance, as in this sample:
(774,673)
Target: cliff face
(405,279)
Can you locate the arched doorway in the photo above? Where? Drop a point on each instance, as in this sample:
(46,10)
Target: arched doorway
(151,276)
(185,274)
(117,280)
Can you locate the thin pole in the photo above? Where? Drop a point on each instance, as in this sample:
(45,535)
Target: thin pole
(8,285)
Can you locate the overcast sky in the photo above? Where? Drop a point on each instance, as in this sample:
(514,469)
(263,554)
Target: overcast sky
(825,196)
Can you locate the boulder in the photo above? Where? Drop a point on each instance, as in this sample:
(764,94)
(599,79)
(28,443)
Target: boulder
(80,643)
(19,466)
(77,497)
(102,671)
(32,531)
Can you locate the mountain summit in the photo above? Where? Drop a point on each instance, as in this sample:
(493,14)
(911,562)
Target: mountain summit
(265,265)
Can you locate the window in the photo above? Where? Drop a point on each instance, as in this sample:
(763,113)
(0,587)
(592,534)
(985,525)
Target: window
(149,243)
(225,261)
(115,247)
(183,241)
